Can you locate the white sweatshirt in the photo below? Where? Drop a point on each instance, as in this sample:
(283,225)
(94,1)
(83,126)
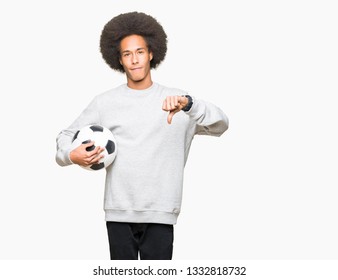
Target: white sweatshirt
(144,183)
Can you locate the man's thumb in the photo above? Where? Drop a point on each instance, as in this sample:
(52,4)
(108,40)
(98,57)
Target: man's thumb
(170,116)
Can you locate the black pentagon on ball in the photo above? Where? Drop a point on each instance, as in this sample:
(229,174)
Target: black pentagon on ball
(97,166)
(110,147)
(96,128)
(75,135)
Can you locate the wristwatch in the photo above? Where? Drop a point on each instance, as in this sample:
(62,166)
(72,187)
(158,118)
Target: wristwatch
(189,105)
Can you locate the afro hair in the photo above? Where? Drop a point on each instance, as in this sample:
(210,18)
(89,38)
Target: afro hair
(133,23)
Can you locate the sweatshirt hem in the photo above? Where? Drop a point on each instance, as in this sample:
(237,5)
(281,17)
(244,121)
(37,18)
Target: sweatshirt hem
(131,216)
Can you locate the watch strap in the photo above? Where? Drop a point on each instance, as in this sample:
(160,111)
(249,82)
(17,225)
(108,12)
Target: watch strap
(189,105)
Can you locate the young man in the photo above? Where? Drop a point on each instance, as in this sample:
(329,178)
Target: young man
(154,127)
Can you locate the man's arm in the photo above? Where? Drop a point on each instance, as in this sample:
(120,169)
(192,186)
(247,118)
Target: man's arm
(210,119)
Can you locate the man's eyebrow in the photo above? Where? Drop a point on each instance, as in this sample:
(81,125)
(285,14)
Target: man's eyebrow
(141,48)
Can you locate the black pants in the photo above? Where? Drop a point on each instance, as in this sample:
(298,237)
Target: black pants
(151,241)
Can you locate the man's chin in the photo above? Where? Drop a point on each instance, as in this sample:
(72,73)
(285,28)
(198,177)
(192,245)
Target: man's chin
(137,80)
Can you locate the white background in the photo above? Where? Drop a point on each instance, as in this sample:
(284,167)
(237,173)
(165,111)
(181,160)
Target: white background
(266,189)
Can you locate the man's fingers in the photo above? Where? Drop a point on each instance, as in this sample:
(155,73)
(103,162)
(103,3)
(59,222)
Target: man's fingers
(95,155)
(97,151)
(176,101)
(171,103)
(94,151)
(168,104)
(91,148)
(96,158)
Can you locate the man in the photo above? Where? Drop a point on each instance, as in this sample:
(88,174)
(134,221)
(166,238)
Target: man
(154,127)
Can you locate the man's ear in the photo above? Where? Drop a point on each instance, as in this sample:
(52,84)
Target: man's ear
(151,56)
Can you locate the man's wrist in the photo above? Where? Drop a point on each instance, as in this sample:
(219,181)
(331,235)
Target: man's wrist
(187,107)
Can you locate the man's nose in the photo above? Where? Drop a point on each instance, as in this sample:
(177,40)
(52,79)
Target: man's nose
(134,59)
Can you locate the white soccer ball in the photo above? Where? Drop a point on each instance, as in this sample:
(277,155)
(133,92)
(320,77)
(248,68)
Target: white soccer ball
(102,137)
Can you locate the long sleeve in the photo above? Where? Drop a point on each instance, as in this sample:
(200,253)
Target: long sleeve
(210,120)
(64,140)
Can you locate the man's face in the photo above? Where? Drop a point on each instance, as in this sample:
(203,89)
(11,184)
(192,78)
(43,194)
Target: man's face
(135,59)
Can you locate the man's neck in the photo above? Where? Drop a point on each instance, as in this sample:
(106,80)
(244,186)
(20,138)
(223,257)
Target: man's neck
(140,85)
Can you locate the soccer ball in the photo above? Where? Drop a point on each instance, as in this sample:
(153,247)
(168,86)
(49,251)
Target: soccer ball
(102,137)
